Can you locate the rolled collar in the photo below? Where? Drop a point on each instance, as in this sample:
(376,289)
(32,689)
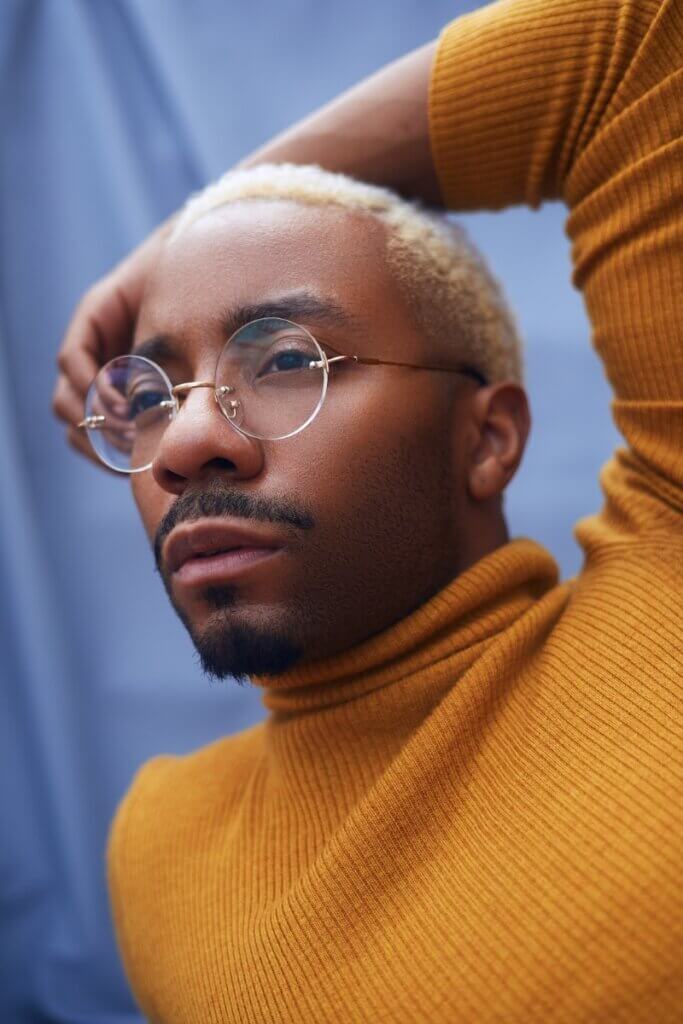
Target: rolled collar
(455,625)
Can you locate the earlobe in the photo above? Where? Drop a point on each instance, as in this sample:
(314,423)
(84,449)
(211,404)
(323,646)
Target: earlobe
(486,479)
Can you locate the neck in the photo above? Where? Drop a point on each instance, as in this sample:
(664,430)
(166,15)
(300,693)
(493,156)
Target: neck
(335,725)
(484,534)
(490,592)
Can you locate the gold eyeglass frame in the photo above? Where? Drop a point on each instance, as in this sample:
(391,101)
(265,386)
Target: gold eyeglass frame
(97,422)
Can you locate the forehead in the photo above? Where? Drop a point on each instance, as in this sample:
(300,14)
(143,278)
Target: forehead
(254,250)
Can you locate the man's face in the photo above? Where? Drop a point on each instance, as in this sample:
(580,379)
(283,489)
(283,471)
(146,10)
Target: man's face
(353,522)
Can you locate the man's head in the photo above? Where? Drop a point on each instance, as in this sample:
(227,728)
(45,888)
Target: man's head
(396,486)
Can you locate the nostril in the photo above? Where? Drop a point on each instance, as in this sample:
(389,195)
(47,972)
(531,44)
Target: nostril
(221,463)
(172,481)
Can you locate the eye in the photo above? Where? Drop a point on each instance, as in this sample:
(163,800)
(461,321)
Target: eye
(290,360)
(286,360)
(142,401)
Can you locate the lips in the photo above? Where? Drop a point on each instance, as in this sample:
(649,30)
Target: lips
(205,546)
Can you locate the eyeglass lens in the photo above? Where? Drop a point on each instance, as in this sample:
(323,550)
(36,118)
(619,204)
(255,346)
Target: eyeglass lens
(270,383)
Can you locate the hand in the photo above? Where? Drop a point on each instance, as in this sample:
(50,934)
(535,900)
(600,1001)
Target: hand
(101,328)
(376,131)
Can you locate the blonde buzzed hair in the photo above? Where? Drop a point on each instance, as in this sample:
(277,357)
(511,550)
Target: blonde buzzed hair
(447,284)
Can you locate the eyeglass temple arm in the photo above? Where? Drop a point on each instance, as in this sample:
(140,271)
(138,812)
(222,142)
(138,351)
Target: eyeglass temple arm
(412,366)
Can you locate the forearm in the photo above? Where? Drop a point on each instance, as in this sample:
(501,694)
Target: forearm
(378,131)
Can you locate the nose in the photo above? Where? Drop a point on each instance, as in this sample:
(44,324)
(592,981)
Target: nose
(200,440)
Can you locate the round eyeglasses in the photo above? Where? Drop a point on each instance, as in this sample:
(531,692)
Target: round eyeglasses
(270,383)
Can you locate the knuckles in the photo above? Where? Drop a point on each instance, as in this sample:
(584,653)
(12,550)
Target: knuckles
(63,404)
(59,403)
(63,361)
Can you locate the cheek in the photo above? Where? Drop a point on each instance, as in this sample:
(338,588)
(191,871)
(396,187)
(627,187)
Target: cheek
(373,447)
(378,412)
(152,502)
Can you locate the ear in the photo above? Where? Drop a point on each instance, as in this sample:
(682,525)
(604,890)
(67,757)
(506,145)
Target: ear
(501,421)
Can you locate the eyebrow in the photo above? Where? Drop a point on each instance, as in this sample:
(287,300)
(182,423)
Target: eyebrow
(302,305)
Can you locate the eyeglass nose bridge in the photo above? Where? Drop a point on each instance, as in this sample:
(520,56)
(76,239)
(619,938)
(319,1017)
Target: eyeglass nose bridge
(233,406)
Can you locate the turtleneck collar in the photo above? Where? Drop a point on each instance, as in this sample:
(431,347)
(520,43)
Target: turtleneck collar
(453,626)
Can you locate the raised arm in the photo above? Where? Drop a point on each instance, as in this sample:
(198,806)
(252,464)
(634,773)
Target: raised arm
(377,131)
(519,101)
(583,100)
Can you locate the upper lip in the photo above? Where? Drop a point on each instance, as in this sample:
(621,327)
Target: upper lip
(189,540)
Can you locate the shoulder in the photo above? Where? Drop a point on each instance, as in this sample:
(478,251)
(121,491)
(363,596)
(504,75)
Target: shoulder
(173,799)
(211,766)
(174,807)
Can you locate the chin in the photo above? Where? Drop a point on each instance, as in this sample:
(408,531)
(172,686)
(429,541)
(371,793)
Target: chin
(231,646)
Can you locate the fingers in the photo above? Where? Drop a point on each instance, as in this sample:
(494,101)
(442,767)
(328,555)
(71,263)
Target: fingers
(100,328)
(78,439)
(67,405)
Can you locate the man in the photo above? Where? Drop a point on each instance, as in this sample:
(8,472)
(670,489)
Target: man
(395,487)
(464,803)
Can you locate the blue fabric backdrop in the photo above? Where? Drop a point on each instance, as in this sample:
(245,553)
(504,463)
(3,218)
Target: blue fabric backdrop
(111,112)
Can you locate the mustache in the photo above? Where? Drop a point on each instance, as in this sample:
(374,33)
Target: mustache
(218,500)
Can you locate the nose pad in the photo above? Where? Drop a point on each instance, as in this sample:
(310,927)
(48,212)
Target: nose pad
(232,408)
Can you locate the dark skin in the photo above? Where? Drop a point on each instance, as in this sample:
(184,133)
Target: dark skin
(399,479)
(377,131)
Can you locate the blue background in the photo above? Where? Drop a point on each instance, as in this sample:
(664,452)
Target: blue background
(111,112)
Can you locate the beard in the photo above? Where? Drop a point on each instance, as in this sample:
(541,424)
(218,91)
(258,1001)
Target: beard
(225,646)
(232,650)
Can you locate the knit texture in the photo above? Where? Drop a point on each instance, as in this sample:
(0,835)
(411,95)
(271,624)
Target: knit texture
(476,815)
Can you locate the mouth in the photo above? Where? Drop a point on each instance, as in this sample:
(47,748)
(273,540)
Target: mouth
(217,550)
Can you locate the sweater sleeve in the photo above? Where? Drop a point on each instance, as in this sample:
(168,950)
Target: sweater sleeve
(582,100)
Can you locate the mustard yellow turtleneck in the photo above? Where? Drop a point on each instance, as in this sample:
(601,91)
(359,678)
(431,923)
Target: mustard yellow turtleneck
(476,815)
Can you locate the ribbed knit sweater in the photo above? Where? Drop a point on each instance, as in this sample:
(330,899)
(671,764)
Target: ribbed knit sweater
(475,816)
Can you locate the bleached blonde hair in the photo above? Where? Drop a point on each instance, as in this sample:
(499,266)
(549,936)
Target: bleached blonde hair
(448,286)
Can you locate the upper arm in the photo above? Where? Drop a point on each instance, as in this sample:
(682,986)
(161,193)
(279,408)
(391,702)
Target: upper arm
(583,100)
